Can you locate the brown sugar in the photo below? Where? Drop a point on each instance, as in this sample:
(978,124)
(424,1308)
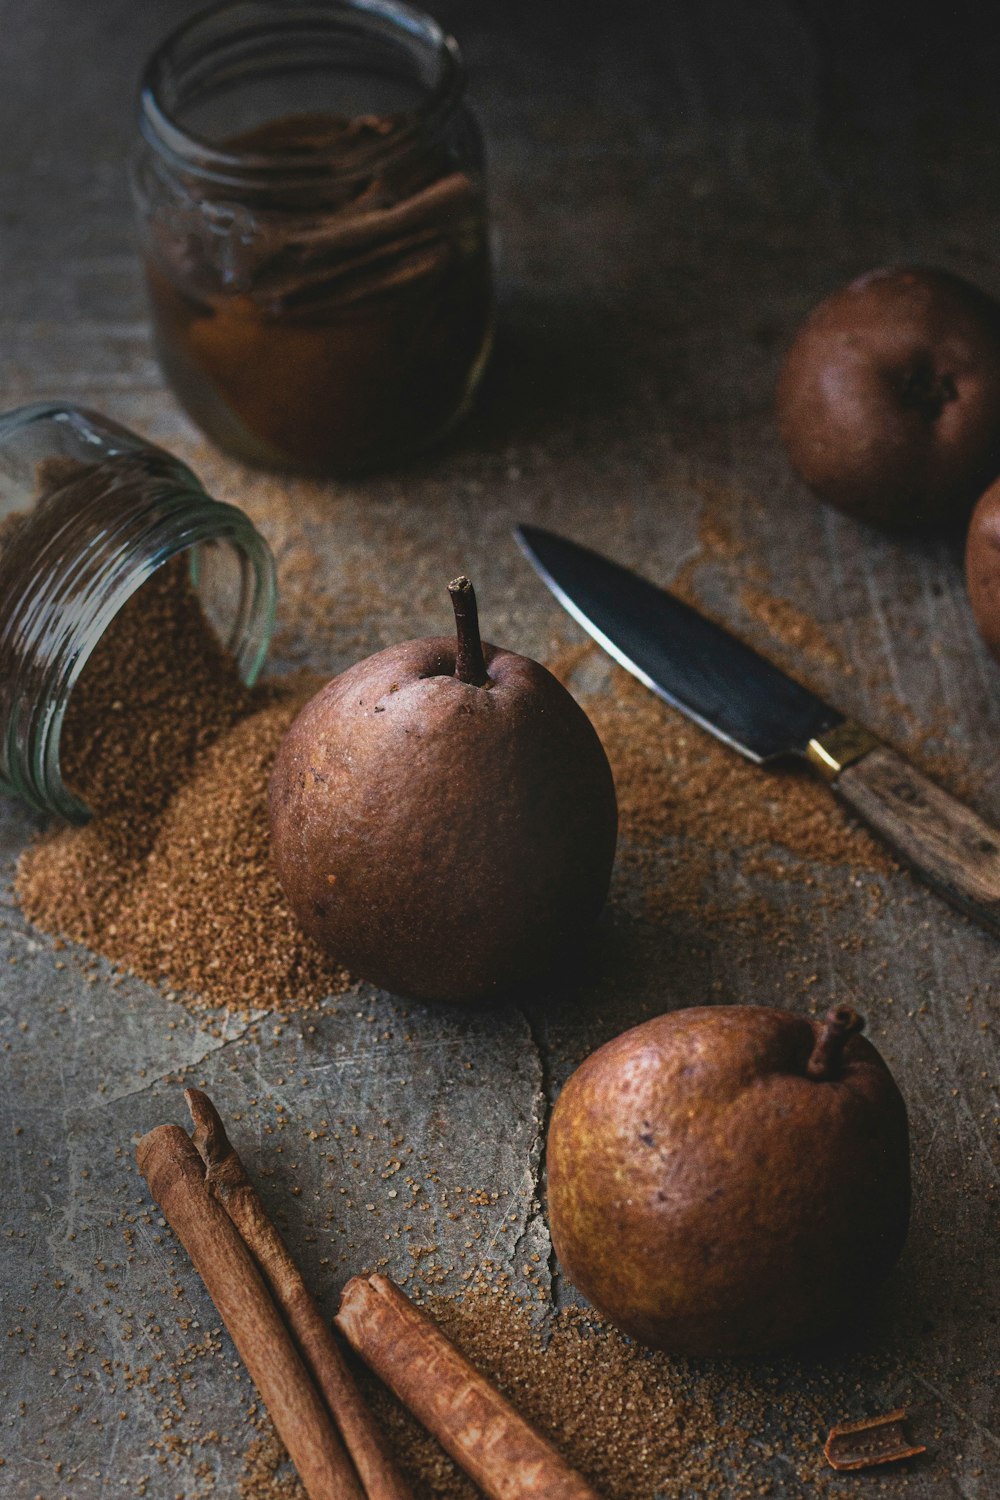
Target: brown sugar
(172,878)
(636,1424)
(158,688)
(267,1473)
(707,838)
(792,627)
(676,783)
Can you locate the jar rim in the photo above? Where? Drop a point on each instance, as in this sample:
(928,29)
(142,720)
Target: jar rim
(201,156)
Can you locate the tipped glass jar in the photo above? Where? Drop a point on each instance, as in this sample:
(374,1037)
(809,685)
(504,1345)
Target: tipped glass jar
(88,512)
(309,185)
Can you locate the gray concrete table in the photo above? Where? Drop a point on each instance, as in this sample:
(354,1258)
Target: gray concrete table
(671,193)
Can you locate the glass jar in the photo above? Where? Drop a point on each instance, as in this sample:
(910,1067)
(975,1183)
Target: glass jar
(88,511)
(310,193)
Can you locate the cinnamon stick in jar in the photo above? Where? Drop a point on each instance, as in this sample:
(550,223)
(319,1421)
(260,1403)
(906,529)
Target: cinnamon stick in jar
(227,1180)
(176,1176)
(473,1422)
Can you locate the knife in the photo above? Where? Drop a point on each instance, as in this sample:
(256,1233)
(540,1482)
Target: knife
(751,705)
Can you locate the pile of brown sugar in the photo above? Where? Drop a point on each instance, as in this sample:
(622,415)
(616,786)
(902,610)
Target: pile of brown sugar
(172,878)
(635,1423)
(619,1416)
(158,688)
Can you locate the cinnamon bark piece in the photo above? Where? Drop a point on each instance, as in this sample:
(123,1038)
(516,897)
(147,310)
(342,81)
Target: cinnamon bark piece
(471,1420)
(440,209)
(873,1440)
(173,1169)
(227,1180)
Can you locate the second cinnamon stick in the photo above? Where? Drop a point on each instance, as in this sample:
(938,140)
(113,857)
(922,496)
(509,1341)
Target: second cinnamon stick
(471,1420)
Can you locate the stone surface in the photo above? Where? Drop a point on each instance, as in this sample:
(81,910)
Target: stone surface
(672,193)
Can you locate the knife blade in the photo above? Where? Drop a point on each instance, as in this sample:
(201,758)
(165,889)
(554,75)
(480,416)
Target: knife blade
(696,665)
(746,701)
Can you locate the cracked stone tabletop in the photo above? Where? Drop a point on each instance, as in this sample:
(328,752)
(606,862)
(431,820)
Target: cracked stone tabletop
(669,200)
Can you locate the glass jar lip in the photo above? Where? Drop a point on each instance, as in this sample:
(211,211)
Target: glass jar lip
(202,157)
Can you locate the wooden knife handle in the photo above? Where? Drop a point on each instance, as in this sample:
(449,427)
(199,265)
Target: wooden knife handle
(946,843)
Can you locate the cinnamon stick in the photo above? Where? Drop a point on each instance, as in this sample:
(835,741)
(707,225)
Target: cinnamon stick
(176,1176)
(227,1180)
(351,230)
(497,1448)
(873,1440)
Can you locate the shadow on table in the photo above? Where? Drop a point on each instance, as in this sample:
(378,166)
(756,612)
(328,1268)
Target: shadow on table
(562,367)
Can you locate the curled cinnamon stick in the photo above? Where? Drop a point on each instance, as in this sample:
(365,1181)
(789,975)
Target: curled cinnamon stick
(176,1177)
(227,1179)
(495,1446)
(873,1440)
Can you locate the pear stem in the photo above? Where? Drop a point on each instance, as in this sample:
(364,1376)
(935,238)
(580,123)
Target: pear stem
(470,664)
(826,1058)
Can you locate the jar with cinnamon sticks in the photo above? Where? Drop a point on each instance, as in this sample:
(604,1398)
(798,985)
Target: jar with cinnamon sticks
(309,185)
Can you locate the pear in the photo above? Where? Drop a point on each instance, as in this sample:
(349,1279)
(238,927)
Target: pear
(889,398)
(730,1179)
(443,817)
(982,567)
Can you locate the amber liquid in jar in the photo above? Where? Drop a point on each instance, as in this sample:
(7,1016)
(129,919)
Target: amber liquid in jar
(361,329)
(310,189)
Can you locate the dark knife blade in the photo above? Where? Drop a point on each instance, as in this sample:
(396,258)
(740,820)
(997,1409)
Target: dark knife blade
(696,665)
(742,699)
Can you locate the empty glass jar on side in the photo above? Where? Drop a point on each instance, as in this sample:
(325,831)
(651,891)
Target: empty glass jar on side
(88,512)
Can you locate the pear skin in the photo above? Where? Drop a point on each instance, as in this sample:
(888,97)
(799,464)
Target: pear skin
(730,1179)
(888,400)
(443,817)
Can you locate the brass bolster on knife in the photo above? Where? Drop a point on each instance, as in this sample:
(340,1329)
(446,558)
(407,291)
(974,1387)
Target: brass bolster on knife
(839,747)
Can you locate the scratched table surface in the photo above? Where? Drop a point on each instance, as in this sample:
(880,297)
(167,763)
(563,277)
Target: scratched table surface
(672,189)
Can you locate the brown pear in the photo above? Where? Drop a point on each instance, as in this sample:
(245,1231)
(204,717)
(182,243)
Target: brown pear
(443,817)
(730,1179)
(982,567)
(889,398)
